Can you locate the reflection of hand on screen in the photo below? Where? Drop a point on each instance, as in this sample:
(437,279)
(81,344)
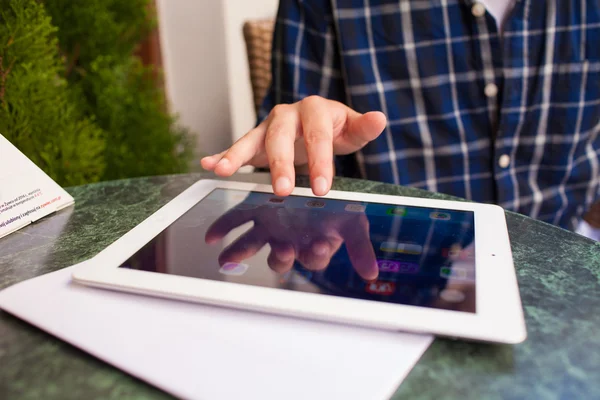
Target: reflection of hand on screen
(309,236)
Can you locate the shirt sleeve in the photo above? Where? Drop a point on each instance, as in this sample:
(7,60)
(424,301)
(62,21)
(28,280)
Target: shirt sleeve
(306,61)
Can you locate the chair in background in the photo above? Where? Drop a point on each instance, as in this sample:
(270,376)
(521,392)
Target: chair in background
(258,35)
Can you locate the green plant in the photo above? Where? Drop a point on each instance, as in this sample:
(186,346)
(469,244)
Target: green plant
(39,112)
(75,99)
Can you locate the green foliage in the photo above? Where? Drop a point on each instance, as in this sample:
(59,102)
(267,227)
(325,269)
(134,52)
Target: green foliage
(129,107)
(39,112)
(92,28)
(76,100)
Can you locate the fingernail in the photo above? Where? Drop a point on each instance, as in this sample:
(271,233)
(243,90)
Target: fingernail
(223,163)
(282,184)
(320,185)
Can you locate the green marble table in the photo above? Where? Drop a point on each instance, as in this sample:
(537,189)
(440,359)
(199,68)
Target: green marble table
(558,272)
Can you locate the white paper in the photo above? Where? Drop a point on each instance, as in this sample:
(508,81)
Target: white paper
(200,352)
(26,192)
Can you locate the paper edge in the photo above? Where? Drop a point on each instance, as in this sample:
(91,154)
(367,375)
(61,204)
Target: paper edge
(390,394)
(17,228)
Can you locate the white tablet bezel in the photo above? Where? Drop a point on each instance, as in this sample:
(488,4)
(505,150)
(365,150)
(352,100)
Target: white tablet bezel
(499,317)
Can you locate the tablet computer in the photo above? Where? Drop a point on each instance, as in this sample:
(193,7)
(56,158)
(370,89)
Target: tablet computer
(380,261)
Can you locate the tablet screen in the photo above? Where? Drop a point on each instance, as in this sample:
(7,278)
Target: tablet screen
(407,255)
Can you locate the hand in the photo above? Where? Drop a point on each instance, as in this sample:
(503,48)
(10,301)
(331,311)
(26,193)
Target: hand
(309,132)
(310,236)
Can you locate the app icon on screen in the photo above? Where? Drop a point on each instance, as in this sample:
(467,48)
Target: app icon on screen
(409,268)
(315,204)
(403,248)
(388,266)
(446,272)
(453,272)
(437,215)
(397,211)
(235,269)
(397,266)
(381,288)
(359,208)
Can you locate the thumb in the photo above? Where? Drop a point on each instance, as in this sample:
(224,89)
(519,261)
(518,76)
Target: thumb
(359,130)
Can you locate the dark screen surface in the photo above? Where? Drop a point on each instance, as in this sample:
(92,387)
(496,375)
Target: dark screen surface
(378,252)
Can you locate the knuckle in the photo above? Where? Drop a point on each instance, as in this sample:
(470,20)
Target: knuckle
(317,136)
(312,100)
(279,110)
(278,129)
(278,163)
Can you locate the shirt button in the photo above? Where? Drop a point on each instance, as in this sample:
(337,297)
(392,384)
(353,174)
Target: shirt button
(478,10)
(491,90)
(504,161)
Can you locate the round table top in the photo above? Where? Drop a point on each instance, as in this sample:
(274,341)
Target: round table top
(558,273)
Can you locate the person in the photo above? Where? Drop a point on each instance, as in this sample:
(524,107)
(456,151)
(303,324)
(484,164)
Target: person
(495,101)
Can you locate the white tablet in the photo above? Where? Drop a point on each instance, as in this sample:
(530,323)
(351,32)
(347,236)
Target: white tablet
(380,261)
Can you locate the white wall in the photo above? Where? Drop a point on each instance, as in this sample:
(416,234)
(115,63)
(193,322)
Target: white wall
(243,116)
(206,68)
(193,47)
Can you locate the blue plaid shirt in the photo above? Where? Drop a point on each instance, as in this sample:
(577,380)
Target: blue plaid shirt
(511,118)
